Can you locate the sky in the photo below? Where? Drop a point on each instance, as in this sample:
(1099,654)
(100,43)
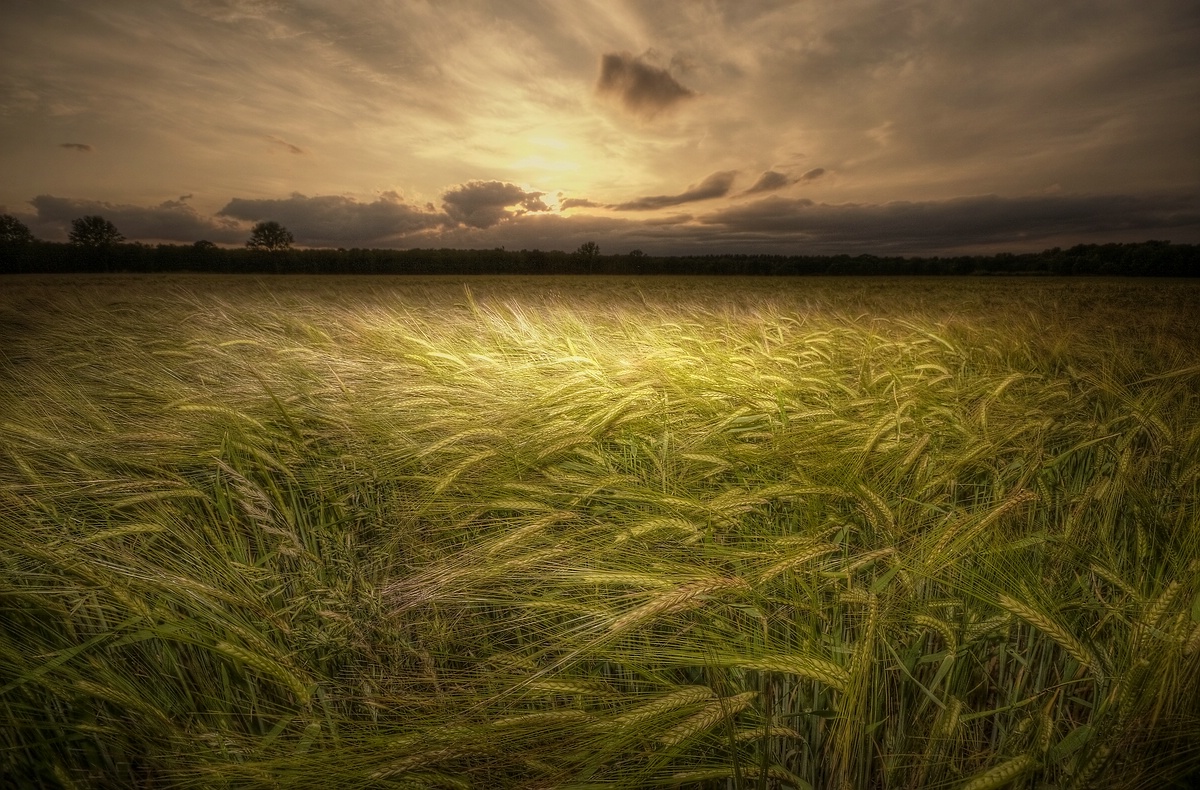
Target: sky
(696,126)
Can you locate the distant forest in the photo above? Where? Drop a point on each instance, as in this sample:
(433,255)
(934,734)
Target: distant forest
(1143,259)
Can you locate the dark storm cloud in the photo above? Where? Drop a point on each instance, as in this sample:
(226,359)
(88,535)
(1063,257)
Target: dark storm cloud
(285,145)
(958,222)
(84,147)
(716,185)
(813,174)
(481,204)
(642,89)
(172,220)
(335,220)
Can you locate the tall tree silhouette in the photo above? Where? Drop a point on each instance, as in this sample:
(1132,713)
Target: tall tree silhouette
(589,251)
(95,232)
(270,236)
(13,230)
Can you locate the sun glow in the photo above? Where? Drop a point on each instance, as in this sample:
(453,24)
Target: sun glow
(539,162)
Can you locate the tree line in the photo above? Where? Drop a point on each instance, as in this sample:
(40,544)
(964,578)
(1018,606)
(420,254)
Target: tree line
(96,245)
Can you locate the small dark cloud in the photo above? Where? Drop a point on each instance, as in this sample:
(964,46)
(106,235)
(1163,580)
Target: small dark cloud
(641,88)
(172,220)
(336,220)
(769,181)
(955,223)
(578,203)
(84,147)
(285,145)
(481,204)
(772,180)
(716,185)
(533,202)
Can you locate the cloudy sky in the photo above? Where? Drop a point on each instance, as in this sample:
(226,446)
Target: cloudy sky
(885,126)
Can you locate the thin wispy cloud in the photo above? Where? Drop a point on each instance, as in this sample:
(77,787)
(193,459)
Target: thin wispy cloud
(285,145)
(83,147)
(773,180)
(567,203)
(768,182)
(715,186)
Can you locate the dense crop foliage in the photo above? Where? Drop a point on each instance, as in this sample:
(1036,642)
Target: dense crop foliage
(601,533)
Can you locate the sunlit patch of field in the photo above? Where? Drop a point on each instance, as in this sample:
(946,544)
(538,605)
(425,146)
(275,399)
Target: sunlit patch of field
(599,533)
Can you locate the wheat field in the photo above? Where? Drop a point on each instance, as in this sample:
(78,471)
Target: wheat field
(599,533)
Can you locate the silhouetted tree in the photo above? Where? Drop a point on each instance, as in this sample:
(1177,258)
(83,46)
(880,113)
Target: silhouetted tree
(204,246)
(270,236)
(589,251)
(95,232)
(13,230)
